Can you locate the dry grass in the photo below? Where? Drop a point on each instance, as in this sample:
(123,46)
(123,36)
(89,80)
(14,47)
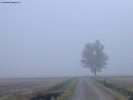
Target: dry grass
(67,93)
(30,93)
(112,93)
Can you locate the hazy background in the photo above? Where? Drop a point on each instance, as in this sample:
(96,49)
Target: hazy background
(45,38)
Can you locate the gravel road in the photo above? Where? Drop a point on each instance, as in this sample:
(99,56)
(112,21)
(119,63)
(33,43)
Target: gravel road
(86,90)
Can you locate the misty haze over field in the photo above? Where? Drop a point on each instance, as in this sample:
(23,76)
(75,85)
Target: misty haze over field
(45,38)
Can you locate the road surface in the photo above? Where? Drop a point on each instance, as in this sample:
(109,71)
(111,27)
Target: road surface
(86,90)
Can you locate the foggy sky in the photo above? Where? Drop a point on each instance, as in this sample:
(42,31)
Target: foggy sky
(45,38)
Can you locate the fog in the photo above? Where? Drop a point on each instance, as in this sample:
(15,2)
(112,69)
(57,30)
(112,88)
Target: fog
(45,38)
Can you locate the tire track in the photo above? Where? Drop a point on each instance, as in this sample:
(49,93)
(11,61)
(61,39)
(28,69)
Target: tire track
(82,91)
(86,90)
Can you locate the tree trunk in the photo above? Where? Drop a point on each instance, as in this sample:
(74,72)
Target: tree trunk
(95,73)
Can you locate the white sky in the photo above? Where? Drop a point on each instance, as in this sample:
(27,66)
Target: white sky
(44,38)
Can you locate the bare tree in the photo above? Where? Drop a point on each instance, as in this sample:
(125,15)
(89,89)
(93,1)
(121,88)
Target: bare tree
(93,57)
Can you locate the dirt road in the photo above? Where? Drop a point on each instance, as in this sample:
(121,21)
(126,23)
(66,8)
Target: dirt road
(86,90)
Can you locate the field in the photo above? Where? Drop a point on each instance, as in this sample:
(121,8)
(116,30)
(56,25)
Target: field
(121,84)
(27,85)
(80,88)
(125,81)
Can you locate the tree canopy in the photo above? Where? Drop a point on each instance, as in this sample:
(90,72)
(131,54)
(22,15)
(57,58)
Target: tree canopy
(93,57)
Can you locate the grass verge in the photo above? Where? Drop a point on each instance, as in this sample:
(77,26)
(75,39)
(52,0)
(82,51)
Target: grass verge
(67,93)
(112,93)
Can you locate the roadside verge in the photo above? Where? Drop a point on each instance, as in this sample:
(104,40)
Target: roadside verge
(67,93)
(112,93)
